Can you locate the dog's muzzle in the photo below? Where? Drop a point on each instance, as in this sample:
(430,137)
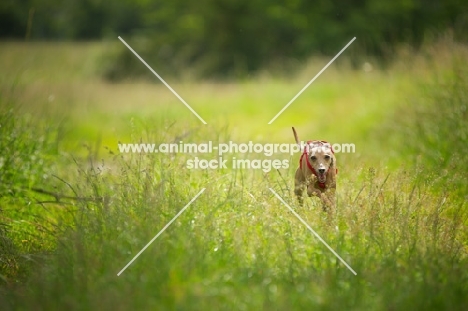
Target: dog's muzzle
(321,176)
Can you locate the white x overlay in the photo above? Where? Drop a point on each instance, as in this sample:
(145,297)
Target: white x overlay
(203,121)
(312,230)
(160,232)
(162,80)
(311,81)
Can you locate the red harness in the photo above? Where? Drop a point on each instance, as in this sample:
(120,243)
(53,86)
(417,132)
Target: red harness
(309,165)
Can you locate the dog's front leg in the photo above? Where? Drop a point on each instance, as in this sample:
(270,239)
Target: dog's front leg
(298,190)
(311,191)
(328,200)
(299,185)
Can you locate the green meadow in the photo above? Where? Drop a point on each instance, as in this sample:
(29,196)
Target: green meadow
(74,210)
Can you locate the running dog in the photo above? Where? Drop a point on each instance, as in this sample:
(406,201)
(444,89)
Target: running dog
(317,172)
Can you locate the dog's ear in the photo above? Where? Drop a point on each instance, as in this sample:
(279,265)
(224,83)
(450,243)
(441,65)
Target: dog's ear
(332,162)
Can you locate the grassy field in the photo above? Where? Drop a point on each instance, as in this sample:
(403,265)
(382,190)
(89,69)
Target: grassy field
(74,211)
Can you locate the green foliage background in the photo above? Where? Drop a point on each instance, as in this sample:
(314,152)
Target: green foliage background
(234,37)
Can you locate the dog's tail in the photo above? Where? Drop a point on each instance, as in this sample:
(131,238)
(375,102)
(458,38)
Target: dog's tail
(296,137)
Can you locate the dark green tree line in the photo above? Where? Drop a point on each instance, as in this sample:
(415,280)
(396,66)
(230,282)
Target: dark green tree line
(223,37)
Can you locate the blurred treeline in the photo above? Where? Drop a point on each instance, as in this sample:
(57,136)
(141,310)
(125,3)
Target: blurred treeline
(234,37)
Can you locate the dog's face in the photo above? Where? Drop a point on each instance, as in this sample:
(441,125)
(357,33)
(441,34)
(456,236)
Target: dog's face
(322,160)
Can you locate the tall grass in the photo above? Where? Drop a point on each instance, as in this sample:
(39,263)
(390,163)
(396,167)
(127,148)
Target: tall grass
(237,246)
(432,127)
(231,250)
(27,149)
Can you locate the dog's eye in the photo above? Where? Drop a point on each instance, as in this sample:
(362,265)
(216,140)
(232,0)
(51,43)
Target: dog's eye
(313,158)
(327,157)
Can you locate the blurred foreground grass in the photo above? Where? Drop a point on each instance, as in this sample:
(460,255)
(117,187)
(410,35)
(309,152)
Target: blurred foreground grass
(74,211)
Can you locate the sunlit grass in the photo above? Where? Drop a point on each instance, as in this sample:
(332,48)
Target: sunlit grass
(331,108)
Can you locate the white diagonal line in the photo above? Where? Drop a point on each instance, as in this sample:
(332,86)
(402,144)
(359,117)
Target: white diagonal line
(159,233)
(162,80)
(310,82)
(315,233)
